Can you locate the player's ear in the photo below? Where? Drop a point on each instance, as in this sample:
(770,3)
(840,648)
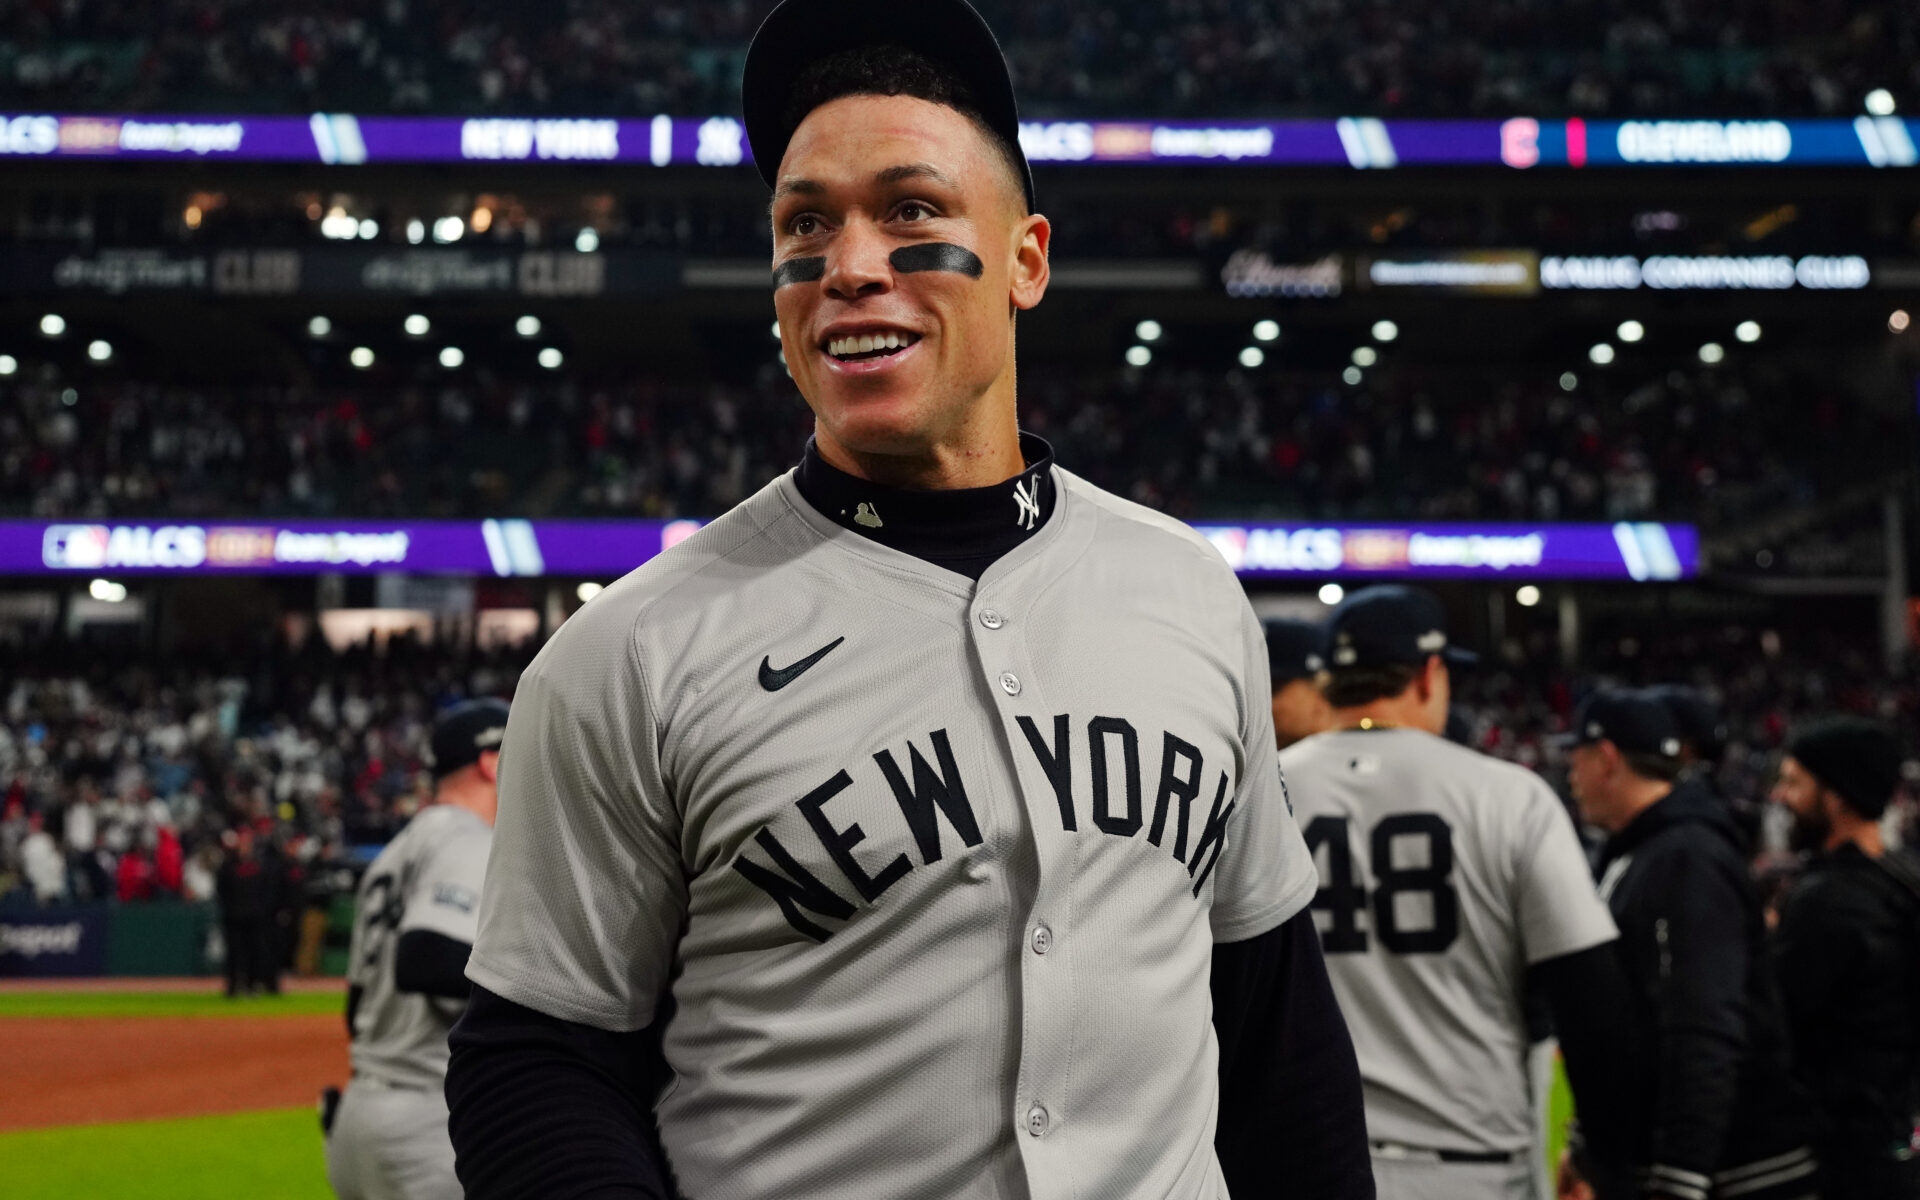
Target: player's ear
(1031,271)
(489,765)
(1429,677)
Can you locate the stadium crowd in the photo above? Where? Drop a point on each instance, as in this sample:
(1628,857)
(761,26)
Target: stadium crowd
(1709,445)
(1208,58)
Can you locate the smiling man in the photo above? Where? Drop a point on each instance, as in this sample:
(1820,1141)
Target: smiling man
(915,829)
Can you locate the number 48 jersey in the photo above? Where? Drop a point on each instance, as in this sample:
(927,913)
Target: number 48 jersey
(1444,874)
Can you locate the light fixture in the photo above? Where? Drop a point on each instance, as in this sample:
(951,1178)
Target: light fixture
(1138,356)
(1332,594)
(1600,355)
(99,350)
(1252,357)
(1352,376)
(1880,102)
(319,327)
(53,325)
(1148,330)
(1713,352)
(1631,331)
(1266,331)
(1365,356)
(1527,596)
(416,231)
(551,358)
(1747,331)
(527,326)
(588,241)
(448,229)
(107,590)
(1898,322)
(1385,331)
(361,357)
(588,591)
(1568,381)
(369,229)
(417,325)
(338,226)
(481,220)
(776,331)
(451,357)
(8,364)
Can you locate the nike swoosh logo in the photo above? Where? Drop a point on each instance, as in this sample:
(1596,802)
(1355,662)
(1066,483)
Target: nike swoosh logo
(773,680)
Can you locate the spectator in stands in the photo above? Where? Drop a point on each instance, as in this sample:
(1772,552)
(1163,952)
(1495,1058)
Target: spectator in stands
(46,867)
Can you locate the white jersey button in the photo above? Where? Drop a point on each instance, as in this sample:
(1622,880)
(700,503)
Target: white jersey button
(991,619)
(1009,683)
(1037,1120)
(1042,939)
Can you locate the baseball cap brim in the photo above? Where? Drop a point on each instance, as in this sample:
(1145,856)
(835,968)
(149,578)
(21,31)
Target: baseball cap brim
(799,33)
(1454,656)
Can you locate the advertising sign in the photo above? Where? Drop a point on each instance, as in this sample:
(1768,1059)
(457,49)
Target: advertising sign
(52,942)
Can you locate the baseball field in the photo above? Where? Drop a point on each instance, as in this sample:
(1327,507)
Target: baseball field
(164,1090)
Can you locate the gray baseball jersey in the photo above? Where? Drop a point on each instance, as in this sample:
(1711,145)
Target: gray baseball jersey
(1443,875)
(932,869)
(428,878)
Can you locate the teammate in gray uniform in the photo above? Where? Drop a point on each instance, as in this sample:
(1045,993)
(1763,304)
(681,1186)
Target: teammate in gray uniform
(412,932)
(1445,877)
(914,804)
(1296,658)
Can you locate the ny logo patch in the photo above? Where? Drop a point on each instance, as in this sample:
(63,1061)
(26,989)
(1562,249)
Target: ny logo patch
(1027,496)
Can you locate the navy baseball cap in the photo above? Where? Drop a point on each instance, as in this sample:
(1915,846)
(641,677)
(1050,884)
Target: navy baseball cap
(1638,722)
(800,33)
(463,733)
(1295,649)
(1701,723)
(1391,625)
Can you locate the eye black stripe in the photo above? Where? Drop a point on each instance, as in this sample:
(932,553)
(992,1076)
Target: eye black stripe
(800,270)
(937,256)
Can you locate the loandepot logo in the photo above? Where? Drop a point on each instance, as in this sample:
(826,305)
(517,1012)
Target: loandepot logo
(31,941)
(1647,550)
(512,548)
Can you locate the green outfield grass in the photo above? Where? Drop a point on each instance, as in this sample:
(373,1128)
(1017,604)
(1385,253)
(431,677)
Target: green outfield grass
(260,1156)
(165,1004)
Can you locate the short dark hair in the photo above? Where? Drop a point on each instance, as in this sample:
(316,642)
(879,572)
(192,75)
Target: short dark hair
(886,70)
(1350,687)
(1659,767)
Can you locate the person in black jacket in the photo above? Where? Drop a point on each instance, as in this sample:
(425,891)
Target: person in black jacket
(1721,1114)
(1847,956)
(247,886)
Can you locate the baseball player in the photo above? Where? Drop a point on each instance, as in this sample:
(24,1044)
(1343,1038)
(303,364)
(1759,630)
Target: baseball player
(914,829)
(1294,656)
(1447,879)
(406,984)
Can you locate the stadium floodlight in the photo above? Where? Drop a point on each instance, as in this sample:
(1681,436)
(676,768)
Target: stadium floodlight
(1252,357)
(1332,594)
(338,226)
(1352,376)
(107,590)
(1880,102)
(1138,356)
(1568,381)
(1898,322)
(1527,596)
(1631,331)
(451,357)
(319,327)
(1712,353)
(1385,331)
(1747,331)
(1365,356)
(551,359)
(449,229)
(588,241)
(416,232)
(8,364)
(369,229)
(417,325)
(776,331)
(1600,355)
(527,326)
(588,591)
(1266,331)
(361,357)
(1148,330)
(53,325)
(99,350)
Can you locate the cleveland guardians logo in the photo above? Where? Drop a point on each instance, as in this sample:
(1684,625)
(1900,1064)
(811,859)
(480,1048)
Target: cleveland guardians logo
(930,793)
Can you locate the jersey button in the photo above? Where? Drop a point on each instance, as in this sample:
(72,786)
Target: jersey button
(1037,1120)
(1042,939)
(1009,683)
(991,619)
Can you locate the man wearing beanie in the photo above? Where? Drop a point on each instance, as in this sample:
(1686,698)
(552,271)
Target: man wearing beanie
(1847,954)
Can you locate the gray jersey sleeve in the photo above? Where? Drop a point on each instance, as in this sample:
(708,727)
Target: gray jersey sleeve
(1266,875)
(584,895)
(446,893)
(1560,911)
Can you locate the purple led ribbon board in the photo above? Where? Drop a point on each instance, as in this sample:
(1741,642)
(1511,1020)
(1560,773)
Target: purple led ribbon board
(1626,551)
(1364,143)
